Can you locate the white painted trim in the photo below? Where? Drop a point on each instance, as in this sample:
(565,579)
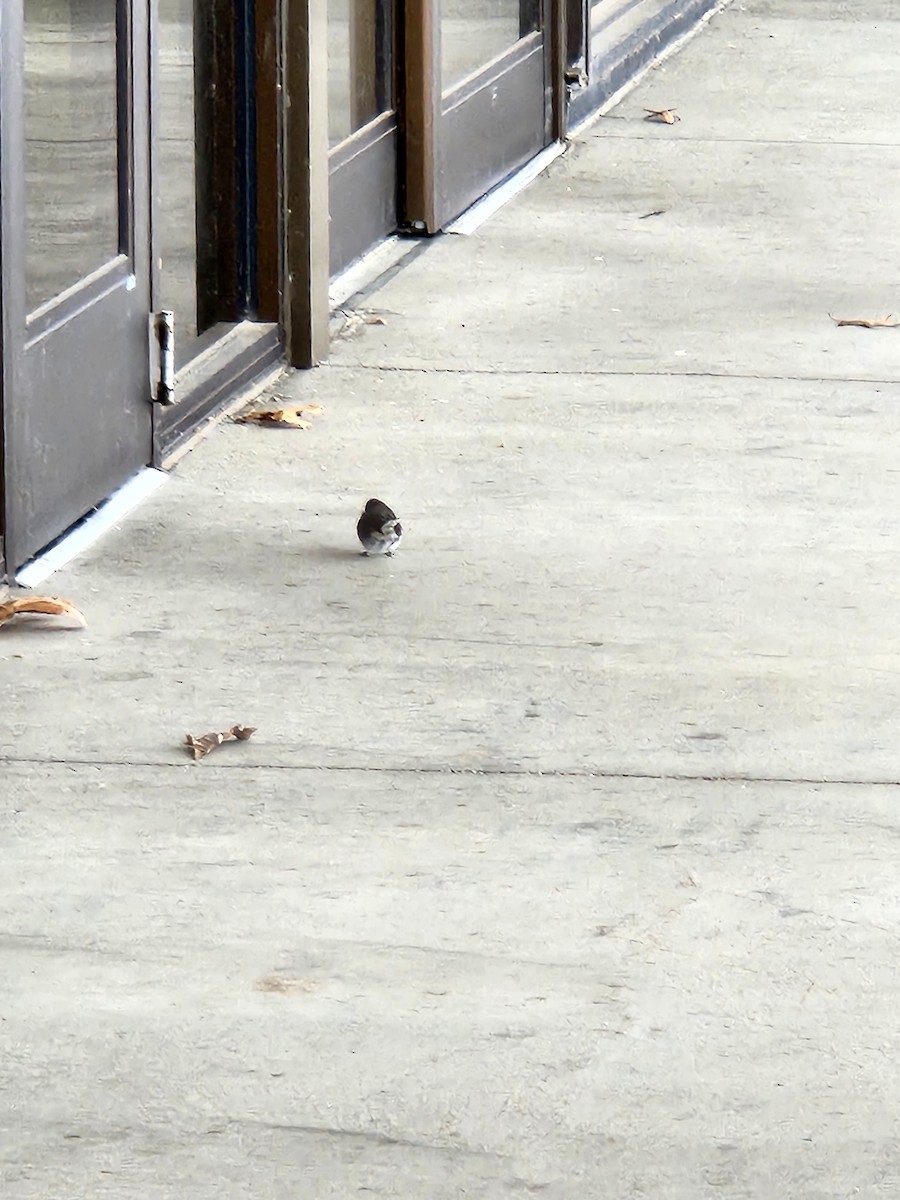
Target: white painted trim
(92,528)
(479,212)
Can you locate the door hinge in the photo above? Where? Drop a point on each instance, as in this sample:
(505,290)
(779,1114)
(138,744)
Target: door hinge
(162,356)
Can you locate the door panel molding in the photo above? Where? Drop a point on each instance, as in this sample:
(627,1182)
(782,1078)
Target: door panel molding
(68,305)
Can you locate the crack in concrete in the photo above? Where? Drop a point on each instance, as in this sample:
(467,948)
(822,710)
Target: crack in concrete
(487,771)
(594,372)
(371,1136)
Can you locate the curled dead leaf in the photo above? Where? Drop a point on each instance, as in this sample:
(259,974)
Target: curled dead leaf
(287,418)
(666,116)
(43,605)
(205,743)
(354,321)
(864,323)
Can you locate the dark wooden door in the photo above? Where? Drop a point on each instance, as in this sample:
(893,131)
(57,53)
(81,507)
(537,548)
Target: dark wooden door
(77,417)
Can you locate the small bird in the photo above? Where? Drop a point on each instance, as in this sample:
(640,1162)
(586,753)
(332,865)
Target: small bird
(378,529)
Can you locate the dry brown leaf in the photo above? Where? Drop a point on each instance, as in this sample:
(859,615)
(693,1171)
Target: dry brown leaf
(354,322)
(668,116)
(39,604)
(864,323)
(207,742)
(284,987)
(290,418)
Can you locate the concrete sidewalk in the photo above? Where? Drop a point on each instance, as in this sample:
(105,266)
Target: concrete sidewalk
(564,859)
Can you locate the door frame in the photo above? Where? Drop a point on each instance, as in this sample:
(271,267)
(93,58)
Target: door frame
(244,196)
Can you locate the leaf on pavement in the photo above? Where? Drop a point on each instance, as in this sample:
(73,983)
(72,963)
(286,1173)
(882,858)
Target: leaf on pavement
(863,323)
(285,418)
(667,116)
(207,742)
(39,605)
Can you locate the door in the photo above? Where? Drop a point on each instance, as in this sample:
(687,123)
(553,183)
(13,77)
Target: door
(75,268)
(216,198)
(431,103)
(362,127)
(483,70)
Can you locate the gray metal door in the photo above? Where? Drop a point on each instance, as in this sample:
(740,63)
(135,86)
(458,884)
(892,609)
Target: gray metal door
(483,70)
(77,420)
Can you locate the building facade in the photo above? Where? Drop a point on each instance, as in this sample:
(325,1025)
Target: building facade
(181,179)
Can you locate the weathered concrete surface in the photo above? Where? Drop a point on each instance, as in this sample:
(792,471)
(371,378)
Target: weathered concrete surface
(492,986)
(595,573)
(563,861)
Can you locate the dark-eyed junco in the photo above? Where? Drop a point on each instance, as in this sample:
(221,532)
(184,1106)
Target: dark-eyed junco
(378,529)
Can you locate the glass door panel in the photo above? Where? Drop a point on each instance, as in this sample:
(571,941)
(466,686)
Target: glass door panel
(71,143)
(362,126)
(202,169)
(215,152)
(359,65)
(473,32)
(175,224)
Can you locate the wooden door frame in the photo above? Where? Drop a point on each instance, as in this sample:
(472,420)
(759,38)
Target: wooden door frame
(419,122)
(239,194)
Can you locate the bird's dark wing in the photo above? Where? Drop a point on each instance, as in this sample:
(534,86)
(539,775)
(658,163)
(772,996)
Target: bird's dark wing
(379,512)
